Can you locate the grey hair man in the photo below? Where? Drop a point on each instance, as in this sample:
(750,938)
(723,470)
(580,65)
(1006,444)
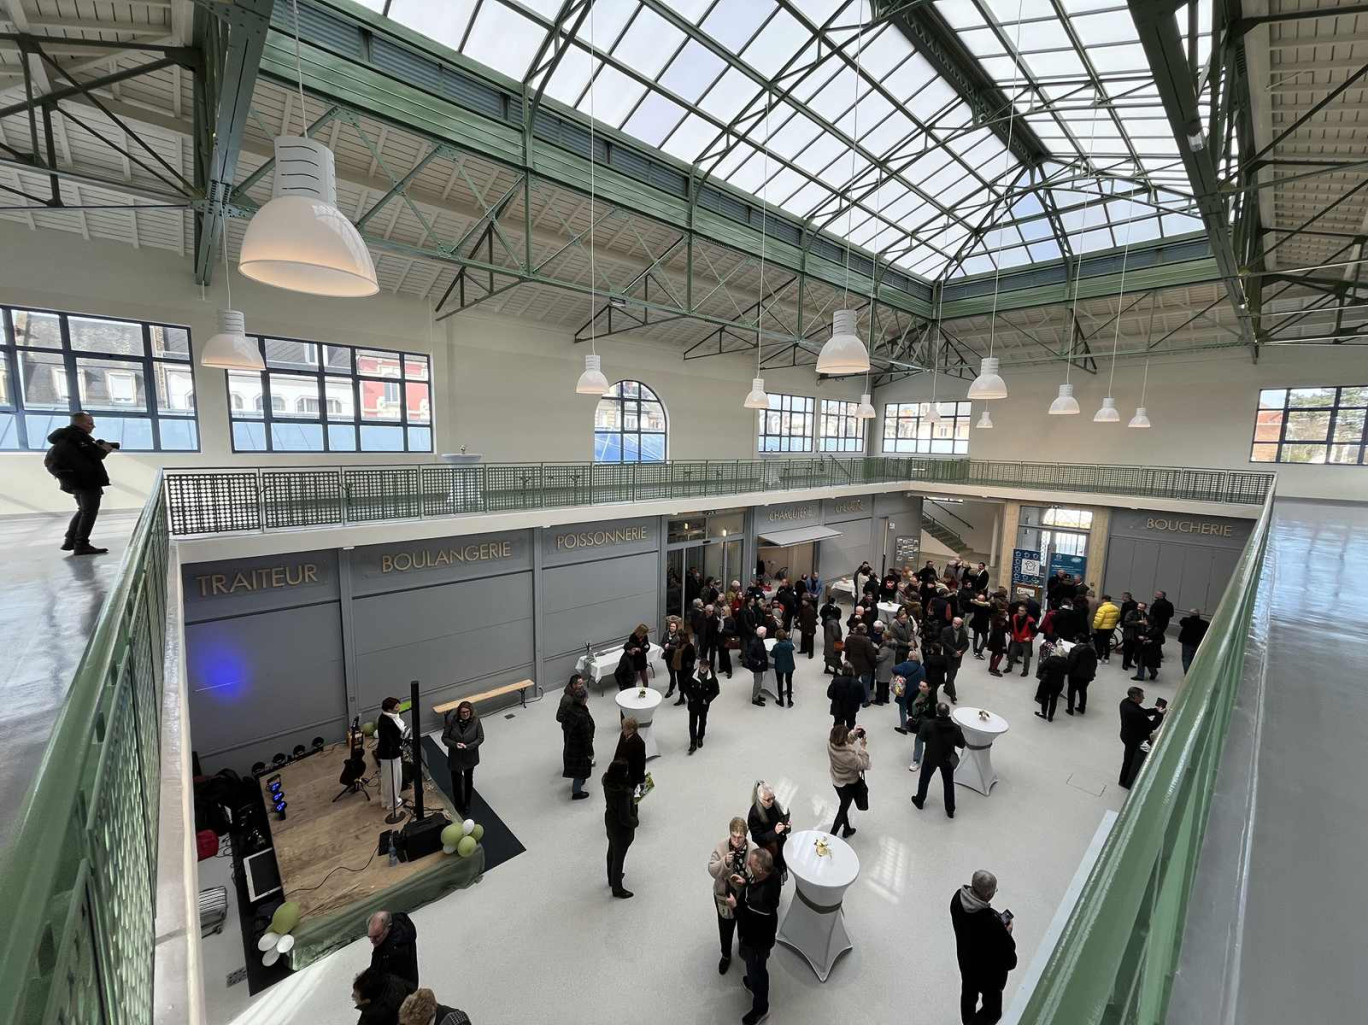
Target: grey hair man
(394,946)
(984,948)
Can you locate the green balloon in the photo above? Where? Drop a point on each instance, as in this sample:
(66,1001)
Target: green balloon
(451,836)
(465,847)
(368,729)
(477,834)
(286,917)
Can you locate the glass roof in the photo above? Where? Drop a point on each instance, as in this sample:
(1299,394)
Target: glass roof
(830,113)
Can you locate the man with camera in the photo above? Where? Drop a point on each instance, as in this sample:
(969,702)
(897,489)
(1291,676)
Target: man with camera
(757,920)
(77,461)
(984,948)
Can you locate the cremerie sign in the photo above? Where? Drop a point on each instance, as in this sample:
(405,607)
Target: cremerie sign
(1187,526)
(266,578)
(596,538)
(849,505)
(793,512)
(428,558)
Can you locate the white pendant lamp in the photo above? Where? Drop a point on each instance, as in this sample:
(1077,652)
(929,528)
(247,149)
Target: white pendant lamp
(1140,419)
(1064,404)
(1108,414)
(230,348)
(865,410)
(592,381)
(985,422)
(757,399)
(843,352)
(988,384)
(932,413)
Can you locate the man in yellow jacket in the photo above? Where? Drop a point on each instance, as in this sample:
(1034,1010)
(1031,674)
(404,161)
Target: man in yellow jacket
(1104,622)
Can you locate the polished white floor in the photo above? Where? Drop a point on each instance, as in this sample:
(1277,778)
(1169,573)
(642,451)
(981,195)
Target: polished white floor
(541,940)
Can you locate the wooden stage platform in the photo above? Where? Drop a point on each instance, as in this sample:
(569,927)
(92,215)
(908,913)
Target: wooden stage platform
(324,849)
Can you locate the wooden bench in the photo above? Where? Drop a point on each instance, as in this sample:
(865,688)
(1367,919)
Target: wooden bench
(521,686)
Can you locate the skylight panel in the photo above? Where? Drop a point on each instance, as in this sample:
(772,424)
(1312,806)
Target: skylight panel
(795,135)
(1179,224)
(1092,241)
(692,71)
(442,23)
(571,76)
(687,141)
(1046,250)
(654,119)
(607,20)
(1110,60)
(733,22)
(504,40)
(1115,26)
(730,95)
(648,43)
(613,96)
(781,37)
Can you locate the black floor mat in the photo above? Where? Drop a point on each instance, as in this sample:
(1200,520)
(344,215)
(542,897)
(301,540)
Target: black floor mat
(499,843)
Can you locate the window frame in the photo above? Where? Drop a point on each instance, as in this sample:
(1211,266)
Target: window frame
(69,369)
(895,445)
(847,415)
(786,405)
(622,432)
(1336,407)
(316,371)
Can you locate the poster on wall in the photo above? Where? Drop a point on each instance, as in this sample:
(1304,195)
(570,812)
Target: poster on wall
(1074,565)
(1026,567)
(905,551)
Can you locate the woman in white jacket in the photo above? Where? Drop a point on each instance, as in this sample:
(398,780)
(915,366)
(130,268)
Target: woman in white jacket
(728,868)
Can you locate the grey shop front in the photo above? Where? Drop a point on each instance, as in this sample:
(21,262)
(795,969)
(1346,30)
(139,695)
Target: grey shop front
(282,649)
(1192,558)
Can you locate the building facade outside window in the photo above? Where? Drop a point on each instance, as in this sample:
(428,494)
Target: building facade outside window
(331,398)
(1311,425)
(840,430)
(136,378)
(630,425)
(906,429)
(787,425)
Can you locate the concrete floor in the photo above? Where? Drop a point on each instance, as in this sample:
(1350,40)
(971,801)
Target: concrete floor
(49,602)
(1306,923)
(541,940)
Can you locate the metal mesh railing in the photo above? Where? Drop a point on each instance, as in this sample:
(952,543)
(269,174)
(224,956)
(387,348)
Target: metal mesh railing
(78,879)
(227,501)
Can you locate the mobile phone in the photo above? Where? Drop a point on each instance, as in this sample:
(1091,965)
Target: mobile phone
(1160,703)
(1006,916)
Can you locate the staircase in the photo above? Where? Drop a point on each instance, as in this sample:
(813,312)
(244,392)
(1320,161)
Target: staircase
(944,535)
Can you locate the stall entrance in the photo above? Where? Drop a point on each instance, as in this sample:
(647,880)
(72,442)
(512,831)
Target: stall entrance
(699,547)
(791,553)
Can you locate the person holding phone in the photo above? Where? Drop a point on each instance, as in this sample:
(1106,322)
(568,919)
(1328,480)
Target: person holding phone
(769,824)
(76,459)
(984,948)
(731,875)
(848,758)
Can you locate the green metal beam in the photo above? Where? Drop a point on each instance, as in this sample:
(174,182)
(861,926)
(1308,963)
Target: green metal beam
(232,39)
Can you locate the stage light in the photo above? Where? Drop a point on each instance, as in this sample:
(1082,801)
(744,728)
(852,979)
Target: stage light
(279,759)
(318,743)
(258,768)
(299,751)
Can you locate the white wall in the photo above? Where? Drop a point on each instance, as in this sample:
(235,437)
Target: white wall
(1201,407)
(502,387)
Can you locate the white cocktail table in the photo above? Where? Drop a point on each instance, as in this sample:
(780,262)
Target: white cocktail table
(975,769)
(641,705)
(888,611)
(815,923)
(605,664)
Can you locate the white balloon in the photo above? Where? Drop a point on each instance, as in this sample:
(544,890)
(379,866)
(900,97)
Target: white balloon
(268,940)
(285,945)
(448,850)
(270,957)
(468,826)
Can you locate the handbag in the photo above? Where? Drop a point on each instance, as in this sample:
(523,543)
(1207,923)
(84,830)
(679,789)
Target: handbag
(861,794)
(838,646)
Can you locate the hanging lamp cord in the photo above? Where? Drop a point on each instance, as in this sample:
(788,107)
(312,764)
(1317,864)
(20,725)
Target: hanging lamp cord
(854,156)
(764,217)
(593,279)
(299,75)
(1121,296)
(227,267)
(1006,163)
(1078,266)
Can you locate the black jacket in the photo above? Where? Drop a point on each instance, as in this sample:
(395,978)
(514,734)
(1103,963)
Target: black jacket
(633,749)
(388,738)
(699,691)
(76,460)
(1191,630)
(1051,673)
(398,954)
(941,737)
(1082,661)
(1137,723)
(860,653)
(471,734)
(830,611)
(578,730)
(984,948)
(847,695)
(384,1009)
(620,811)
(763,834)
(757,657)
(637,646)
(757,912)
(1161,612)
(807,619)
(954,643)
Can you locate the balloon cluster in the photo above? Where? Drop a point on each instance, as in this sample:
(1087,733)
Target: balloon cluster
(462,838)
(277,939)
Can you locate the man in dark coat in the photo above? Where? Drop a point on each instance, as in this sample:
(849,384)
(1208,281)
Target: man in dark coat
(379,996)
(1137,724)
(578,754)
(1161,612)
(632,750)
(1051,673)
(76,459)
(619,821)
(1191,629)
(846,693)
(807,627)
(1082,661)
(940,736)
(954,643)
(757,922)
(984,948)
(860,653)
(394,946)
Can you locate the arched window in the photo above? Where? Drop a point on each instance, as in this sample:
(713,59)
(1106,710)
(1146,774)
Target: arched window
(630,425)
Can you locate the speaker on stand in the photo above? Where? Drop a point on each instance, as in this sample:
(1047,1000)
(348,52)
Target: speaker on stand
(422,835)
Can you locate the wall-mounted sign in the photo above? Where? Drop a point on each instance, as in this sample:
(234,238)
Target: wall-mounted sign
(785,513)
(1026,568)
(597,538)
(1179,528)
(1074,565)
(1179,525)
(905,551)
(849,505)
(428,558)
(263,578)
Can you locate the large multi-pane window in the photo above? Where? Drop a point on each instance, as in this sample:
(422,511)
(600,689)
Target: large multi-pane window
(907,429)
(629,425)
(1311,425)
(841,429)
(316,397)
(135,378)
(787,425)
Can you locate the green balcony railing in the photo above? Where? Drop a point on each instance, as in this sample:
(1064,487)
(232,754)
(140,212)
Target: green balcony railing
(1115,961)
(78,873)
(217,501)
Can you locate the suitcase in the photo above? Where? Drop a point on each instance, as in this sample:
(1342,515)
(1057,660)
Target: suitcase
(213,909)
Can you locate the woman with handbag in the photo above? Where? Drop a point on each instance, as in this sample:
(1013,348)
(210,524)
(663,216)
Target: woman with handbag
(669,645)
(728,861)
(848,755)
(684,659)
(769,824)
(832,645)
(920,708)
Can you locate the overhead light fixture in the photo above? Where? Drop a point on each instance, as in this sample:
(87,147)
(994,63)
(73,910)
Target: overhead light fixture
(985,422)
(1140,419)
(231,349)
(932,413)
(757,399)
(592,381)
(1195,139)
(843,352)
(1107,414)
(1064,404)
(865,410)
(988,384)
(617,302)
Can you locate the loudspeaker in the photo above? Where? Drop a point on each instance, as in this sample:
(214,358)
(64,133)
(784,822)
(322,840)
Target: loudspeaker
(421,837)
